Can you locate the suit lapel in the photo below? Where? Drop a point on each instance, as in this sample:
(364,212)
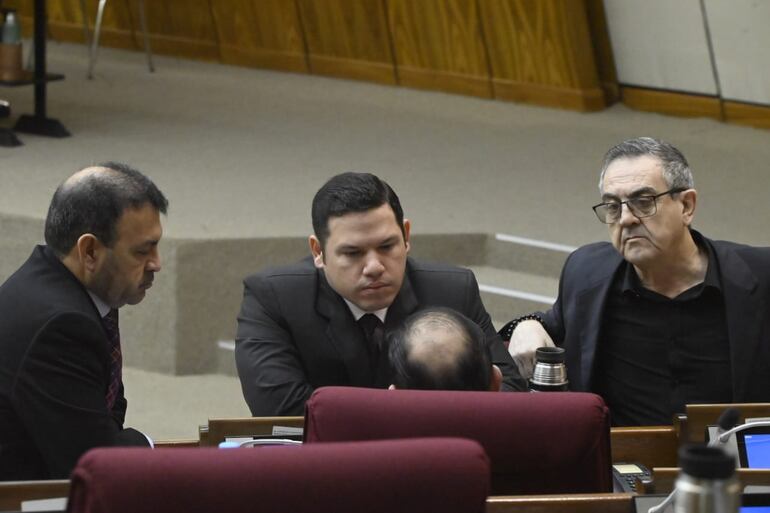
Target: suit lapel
(743,313)
(344,333)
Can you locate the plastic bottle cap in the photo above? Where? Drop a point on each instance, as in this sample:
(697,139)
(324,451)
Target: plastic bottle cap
(550,354)
(704,462)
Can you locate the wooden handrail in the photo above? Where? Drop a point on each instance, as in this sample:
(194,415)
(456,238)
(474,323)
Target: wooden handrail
(567,503)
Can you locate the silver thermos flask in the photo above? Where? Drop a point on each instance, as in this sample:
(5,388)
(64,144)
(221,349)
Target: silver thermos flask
(550,373)
(707,482)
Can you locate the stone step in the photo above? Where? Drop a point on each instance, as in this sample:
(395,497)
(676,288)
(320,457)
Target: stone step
(508,294)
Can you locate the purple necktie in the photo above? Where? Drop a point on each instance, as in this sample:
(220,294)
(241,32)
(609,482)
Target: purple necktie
(116,360)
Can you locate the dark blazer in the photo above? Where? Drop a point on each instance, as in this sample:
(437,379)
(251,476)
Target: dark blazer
(54,373)
(295,333)
(575,320)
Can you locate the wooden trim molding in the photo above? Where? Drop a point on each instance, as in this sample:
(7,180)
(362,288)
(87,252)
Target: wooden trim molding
(184,47)
(673,103)
(584,100)
(438,80)
(380,72)
(749,114)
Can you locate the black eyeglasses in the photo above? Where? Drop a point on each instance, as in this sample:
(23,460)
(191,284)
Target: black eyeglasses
(640,206)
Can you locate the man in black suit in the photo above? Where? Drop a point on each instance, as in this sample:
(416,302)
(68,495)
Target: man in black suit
(61,391)
(323,321)
(438,348)
(663,316)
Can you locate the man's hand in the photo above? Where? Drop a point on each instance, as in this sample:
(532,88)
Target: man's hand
(526,338)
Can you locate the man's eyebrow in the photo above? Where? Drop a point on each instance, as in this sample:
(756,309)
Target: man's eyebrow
(390,240)
(347,247)
(148,243)
(643,191)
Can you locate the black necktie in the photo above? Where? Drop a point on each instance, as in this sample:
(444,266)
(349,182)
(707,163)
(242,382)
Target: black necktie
(375,333)
(116,359)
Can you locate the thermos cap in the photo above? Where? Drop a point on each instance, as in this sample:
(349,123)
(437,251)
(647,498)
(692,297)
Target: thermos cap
(704,462)
(549,354)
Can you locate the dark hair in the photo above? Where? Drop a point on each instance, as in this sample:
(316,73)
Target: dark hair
(676,170)
(466,365)
(351,192)
(94,203)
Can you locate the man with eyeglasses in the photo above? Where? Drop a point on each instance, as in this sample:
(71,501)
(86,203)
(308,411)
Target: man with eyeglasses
(663,316)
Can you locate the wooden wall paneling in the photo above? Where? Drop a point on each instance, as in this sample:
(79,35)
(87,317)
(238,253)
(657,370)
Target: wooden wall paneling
(348,38)
(600,39)
(65,21)
(260,33)
(438,45)
(672,103)
(117,29)
(184,28)
(541,52)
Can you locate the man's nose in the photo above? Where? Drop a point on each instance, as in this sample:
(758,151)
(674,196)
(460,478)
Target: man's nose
(154,263)
(626,216)
(373,265)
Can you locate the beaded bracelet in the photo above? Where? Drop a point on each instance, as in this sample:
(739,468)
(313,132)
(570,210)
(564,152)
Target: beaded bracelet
(506,332)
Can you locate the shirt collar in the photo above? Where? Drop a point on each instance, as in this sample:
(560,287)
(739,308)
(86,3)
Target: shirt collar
(632,283)
(101,306)
(358,313)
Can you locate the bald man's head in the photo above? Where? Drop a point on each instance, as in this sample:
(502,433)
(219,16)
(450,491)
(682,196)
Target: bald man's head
(441,349)
(93,200)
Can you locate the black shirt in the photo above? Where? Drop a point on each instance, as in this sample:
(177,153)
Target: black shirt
(657,354)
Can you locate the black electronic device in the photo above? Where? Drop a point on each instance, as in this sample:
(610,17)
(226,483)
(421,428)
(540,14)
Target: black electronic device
(625,475)
(754,447)
(755,503)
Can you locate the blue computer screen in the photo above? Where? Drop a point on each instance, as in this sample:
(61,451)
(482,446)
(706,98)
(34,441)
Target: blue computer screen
(758,452)
(755,509)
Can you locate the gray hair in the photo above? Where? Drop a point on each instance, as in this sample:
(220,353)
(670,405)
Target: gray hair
(676,170)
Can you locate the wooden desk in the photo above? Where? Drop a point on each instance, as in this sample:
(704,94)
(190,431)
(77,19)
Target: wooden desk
(570,503)
(219,429)
(13,493)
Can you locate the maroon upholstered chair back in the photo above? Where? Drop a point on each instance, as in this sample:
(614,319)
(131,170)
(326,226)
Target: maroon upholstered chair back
(538,443)
(408,476)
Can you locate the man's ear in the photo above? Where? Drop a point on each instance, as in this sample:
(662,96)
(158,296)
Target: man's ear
(407,229)
(496,380)
(317,251)
(88,249)
(689,202)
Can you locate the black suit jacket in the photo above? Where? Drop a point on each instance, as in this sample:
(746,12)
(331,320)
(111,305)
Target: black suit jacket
(575,320)
(54,373)
(295,333)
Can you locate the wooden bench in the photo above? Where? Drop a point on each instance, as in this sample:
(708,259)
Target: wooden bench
(692,425)
(652,446)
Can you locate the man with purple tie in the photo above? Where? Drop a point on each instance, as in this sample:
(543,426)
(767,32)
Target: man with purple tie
(61,391)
